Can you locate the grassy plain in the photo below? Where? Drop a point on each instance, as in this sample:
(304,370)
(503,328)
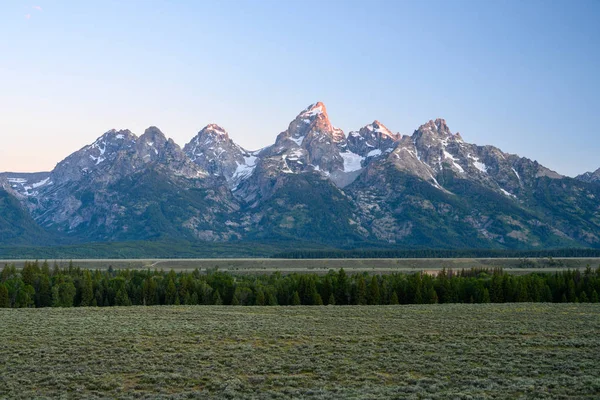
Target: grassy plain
(371,265)
(434,351)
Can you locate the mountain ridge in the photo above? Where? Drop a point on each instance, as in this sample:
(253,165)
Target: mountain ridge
(430,188)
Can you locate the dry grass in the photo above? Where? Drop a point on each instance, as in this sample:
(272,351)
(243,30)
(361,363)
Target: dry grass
(435,351)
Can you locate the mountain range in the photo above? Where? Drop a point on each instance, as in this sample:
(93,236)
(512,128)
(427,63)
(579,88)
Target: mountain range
(315,184)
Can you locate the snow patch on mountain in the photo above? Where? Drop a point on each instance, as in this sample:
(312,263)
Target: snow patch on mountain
(517,174)
(507,193)
(454,160)
(312,110)
(478,164)
(98,160)
(246,169)
(41,183)
(352,161)
(298,140)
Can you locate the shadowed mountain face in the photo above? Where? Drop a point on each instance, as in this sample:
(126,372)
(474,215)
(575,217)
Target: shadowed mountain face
(314,183)
(590,177)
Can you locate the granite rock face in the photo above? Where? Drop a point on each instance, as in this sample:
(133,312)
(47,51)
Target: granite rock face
(430,188)
(590,177)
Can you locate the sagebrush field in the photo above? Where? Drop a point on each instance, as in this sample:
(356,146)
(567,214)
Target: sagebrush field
(424,351)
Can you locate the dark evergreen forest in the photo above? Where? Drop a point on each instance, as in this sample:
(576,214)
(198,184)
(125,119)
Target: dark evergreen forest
(439,253)
(41,286)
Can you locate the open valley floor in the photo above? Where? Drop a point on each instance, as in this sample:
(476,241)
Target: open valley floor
(323,265)
(461,351)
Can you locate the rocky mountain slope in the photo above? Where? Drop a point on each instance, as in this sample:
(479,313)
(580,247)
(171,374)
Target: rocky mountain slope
(590,177)
(371,187)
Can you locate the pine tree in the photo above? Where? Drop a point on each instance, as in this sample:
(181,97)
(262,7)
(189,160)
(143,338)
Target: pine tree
(260,297)
(217,300)
(486,296)
(571,295)
(87,290)
(331,300)
(496,295)
(594,296)
(394,298)
(44,292)
(342,288)
(28,274)
(122,299)
(272,299)
(317,300)
(4,300)
(361,291)
(170,293)
(374,296)
(296,299)
(432,296)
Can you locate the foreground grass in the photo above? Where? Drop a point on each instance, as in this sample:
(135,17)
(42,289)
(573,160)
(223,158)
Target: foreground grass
(436,351)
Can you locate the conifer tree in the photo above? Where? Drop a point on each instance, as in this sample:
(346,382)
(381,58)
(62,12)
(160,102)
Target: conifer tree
(4,300)
(296,299)
(87,290)
(260,297)
(317,300)
(394,298)
(217,300)
(486,296)
(331,300)
(272,299)
(361,291)
(374,296)
(342,288)
(170,292)
(44,292)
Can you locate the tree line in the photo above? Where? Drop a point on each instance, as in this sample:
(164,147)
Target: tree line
(38,285)
(440,253)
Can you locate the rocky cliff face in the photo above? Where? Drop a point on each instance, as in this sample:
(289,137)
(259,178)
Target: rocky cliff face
(216,153)
(125,187)
(590,177)
(430,188)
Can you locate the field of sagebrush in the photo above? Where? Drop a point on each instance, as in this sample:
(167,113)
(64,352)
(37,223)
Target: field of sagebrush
(427,351)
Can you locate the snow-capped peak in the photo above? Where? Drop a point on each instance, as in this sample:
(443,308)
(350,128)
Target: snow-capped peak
(214,129)
(378,127)
(313,110)
(438,126)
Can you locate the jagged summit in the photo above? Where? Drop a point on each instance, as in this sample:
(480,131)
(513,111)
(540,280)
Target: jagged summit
(438,126)
(425,189)
(214,151)
(372,140)
(378,127)
(115,135)
(153,135)
(214,129)
(314,110)
(590,177)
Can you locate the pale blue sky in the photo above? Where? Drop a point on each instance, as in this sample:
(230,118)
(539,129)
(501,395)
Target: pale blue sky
(520,75)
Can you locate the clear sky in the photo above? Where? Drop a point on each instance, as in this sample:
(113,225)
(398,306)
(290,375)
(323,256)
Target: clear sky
(521,75)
